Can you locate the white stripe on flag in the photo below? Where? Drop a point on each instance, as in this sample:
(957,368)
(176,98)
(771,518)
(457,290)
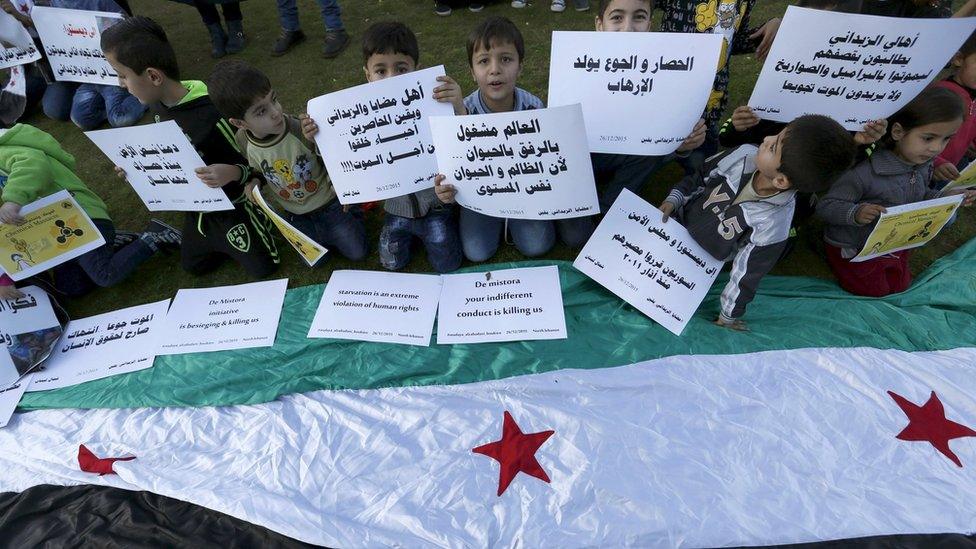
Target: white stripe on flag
(773,447)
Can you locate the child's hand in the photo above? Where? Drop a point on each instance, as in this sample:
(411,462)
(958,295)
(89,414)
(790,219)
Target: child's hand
(768,33)
(250,188)
(945,172)
(744,118)
(969,195)
(10,293)
(309,127)
(696,138)
(873,131)
(10,214)
(445,193)
(120,173)
(218,175)
(450,92)
(737,324)
(867,213)
(667,209)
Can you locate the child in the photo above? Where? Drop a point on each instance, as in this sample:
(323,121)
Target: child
(137,48)
(33,165)
(896,173)
(273,143)
(495,53)
(616,172)
(962,83)
(390,49)
(741,203)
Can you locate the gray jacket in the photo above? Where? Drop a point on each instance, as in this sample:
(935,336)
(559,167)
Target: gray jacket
(882,179)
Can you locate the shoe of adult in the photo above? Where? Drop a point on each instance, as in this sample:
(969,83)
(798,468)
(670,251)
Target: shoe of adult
(235,36)
(335,42)
(286,41)
(558,6)
(519,4)
(218,40)
(442,9)
(582,5)
(475,7)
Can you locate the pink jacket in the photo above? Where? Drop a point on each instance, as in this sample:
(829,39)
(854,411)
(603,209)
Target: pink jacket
(959,144)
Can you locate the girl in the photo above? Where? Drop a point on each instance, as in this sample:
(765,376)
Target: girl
(897,173)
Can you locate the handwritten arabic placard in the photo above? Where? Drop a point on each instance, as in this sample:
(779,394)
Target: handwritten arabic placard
(506,305)
(853,68)
(375,138)
(55,230)
(104,345)
(309,250)
(523,165)
(72,42)
(222,318)
(908,226)
(378,306)
(656,267)
(22,48)
(159,161)
(624,80)
(29,329)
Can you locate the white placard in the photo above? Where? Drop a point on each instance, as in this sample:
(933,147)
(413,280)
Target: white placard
(853,68)
(10,396)
(656,267)
(375,138)
(104,345)
(223,318)
(641,92)
(22,48)
(522,165)
(159,162)
(72,42)
(505,305)
(378,306)
(29,329)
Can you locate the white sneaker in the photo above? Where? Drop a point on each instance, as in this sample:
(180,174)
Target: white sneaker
(519,3)
(558,6)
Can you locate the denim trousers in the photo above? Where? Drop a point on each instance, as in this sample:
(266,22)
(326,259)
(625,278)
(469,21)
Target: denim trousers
(437,231)
(334,228)
(288,14)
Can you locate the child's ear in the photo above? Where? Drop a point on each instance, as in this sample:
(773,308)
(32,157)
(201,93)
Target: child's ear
(598,23)
(366,72)
(897,131)
(237,123)
(781,182)
(957,59)
(156,77)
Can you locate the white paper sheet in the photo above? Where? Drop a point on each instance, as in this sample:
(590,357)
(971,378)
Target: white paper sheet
(22,48)
(10,396)
(72,41)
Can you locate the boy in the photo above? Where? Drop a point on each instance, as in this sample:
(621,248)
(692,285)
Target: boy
(496,52)
(33,165)
(273,143)
(390,49)
(741,202)
(615,172)
(139,51)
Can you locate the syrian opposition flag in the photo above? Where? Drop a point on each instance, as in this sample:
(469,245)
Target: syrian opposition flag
(870,434)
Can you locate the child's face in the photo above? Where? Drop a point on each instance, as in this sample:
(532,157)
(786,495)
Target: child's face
(265,117)
(923,143)
(626,16)
(770,154)
(965,69)
(146,87)
(496,71)
(385,65)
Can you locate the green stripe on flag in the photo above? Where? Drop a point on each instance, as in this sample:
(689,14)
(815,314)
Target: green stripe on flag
(938,312)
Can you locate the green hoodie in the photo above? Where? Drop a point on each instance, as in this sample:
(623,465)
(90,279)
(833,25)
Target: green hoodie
(36,166)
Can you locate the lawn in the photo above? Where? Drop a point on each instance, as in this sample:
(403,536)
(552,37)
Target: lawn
(303,74)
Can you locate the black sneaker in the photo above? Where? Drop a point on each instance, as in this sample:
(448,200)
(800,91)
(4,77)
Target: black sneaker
(286,41)
(123,239)
(476,7)
(442,9)
(335,42)
(163,236)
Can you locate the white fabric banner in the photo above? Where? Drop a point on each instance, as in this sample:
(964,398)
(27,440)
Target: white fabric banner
(687,451)
(72,41)
(642,92)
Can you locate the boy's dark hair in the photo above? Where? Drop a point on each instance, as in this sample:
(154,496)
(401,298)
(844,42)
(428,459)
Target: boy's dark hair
(969,46)
(604,4)
(933,105)
(234,86)
(390,37)
(816,150)
(499,30)
(140,43)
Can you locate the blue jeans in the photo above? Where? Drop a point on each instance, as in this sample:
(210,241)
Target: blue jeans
(90,105)
(616,172)
(481,235)
(334,228)
(576,231)
(104,266)
(436,230)
(288,14)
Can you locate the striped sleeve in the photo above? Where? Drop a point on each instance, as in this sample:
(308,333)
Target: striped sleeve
(750,264)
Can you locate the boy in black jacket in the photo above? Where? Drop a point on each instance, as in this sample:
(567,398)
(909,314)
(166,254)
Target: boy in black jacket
(739,206)
(138,50)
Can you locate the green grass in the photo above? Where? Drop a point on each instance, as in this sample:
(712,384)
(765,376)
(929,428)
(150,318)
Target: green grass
(303,74)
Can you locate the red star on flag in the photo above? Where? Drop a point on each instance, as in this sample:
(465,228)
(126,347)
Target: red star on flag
(928,423)
(515,452)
